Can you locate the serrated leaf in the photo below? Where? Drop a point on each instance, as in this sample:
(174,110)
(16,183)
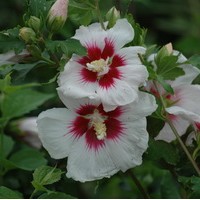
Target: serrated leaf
(167,65)
(7,193)
(46,175)
(22,101)
(28,159)
(140,33)
(67,46)
(56,195)
(38,7)
(162,150)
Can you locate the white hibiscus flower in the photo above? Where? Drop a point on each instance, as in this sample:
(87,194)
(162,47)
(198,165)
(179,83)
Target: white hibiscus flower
(107,71)
(97,143)
(183,106)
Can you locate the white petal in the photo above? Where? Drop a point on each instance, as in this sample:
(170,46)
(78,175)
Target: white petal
(145,105)
(186,114)
(71,83)
(93,34)
(86,164)
(167,134)
(74,103)
(188,105)
(53,132)
(135,75)
(191,73)
(127,150)
(121,34)
(117,95)
(130,54)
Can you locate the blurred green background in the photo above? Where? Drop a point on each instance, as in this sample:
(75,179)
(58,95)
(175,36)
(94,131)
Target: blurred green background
(176,21)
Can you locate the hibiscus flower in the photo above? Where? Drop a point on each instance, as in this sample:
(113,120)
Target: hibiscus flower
(182,106)
(97,143)
(108,71)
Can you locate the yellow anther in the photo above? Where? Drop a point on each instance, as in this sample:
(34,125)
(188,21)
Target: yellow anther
(97,65)
(100,129)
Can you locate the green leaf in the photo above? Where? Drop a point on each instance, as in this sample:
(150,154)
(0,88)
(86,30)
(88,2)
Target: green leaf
(196,183)
(46,175)
(22,101)
(195,60)
(56,195)
(167,65)
(5,82)
(140,33)
(38,7)
(68,46)
(28,159)
(10,41)
(24,69)
(162,150)
(6,193)
(193,184)
(8,144)
(169,188)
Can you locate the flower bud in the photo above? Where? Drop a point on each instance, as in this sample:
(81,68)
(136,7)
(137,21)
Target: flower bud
(34,23)
(34,50)
(57,15)
(112,16)
(27,34)
(169,48)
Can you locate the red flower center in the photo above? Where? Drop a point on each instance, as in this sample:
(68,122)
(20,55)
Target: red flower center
(97,125)
(101,65)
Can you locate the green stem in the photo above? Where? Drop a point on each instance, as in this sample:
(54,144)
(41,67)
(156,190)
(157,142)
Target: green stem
(99,15)
(176,133)
(138,184)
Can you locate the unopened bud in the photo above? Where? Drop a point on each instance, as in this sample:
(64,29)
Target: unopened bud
(112,16)
(57,15)
(27,34)
(169,47)
(34,23)
(34,50)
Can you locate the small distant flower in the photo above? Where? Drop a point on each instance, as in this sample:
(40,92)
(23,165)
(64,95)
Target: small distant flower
(97,143)
(57,15)
(182,106)
(11,57)
(107,71)
(27,129)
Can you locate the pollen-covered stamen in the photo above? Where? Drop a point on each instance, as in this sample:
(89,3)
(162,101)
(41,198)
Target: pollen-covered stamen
(100,66)
(97,121)
(100,129)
